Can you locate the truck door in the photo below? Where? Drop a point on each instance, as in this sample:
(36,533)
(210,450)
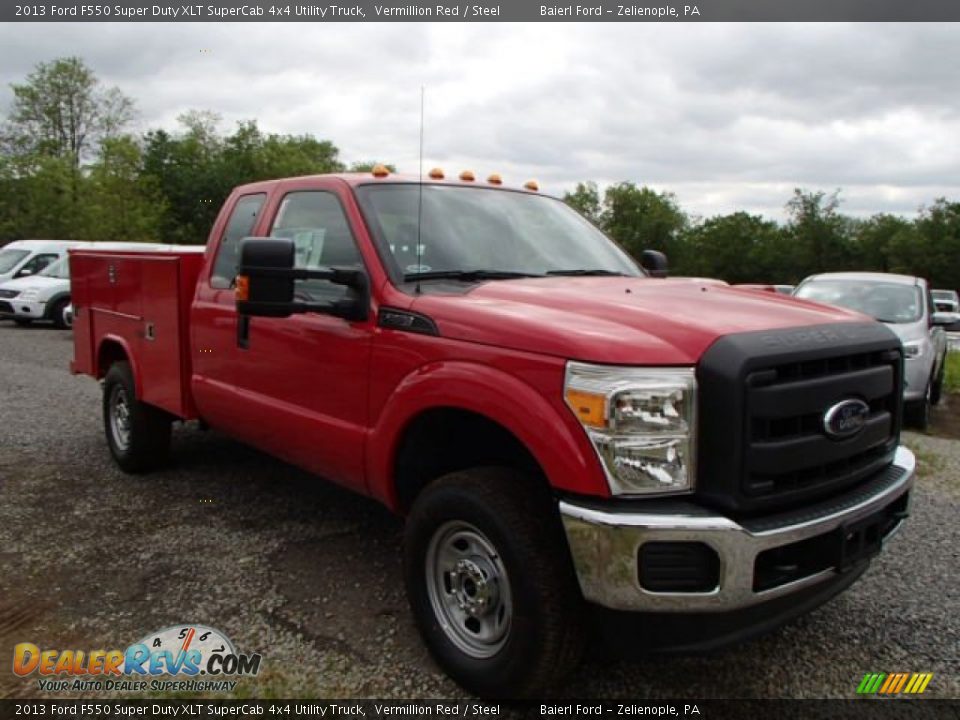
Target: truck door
(300,383)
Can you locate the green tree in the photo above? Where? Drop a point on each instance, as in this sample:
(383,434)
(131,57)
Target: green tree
(63,111)
(734,247)
(935,250)
(820,231)
(194,171)
(186,171)
(122,203)
(640,218)
(365,166)
(39,198)
(875,238)
(585,199)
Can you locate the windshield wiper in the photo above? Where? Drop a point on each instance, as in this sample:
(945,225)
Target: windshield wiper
(597,272)
(467,275)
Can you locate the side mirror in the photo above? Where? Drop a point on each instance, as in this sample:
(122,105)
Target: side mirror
(266,283)
(654,262)
(24,273)
(944,319)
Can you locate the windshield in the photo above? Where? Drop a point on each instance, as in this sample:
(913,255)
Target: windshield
(10,258)
(886,302)
(60,269)
(491,231)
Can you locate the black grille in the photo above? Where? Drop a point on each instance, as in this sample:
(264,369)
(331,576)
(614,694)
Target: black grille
(6,307)
(787,448)
(763,400)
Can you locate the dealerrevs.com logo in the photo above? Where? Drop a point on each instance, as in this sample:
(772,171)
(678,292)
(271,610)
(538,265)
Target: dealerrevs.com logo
(181,650)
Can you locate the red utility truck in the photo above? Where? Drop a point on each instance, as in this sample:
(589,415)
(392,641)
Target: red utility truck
(581,447)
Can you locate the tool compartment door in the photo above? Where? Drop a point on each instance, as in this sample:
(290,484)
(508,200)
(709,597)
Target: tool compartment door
(160,337)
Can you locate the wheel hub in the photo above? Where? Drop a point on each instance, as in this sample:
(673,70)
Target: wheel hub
(120,417)
(475,594)
(469,589)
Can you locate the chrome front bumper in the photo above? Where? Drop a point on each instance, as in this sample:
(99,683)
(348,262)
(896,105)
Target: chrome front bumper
(605,544)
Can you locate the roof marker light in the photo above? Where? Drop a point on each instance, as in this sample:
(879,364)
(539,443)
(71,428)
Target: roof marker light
(436,174)
(532,185)
(495,179)
(467,176)
(380,171)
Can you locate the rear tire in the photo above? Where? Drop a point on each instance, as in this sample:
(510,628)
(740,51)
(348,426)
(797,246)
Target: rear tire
(57,314)
(491,583)
(138,434)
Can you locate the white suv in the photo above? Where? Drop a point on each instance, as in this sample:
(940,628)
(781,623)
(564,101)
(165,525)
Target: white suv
(46,295)
(22,258)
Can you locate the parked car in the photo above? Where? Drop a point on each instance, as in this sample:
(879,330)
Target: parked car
(46,295)
(582,448)
(946,300)
(28,257)
(905,305)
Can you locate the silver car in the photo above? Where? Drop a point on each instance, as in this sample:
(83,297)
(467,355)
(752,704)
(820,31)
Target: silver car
(905,305)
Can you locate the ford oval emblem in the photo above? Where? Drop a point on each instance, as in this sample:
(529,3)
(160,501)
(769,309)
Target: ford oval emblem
(845,419)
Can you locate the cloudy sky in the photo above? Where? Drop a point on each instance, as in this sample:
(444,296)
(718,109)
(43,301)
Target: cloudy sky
(725,116)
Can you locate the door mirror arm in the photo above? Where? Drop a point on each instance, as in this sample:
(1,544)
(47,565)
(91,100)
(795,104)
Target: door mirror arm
(266,277)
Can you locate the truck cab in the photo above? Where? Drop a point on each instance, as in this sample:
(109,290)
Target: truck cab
(582,448)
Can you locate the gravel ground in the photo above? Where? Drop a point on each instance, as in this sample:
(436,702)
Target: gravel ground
(309,575)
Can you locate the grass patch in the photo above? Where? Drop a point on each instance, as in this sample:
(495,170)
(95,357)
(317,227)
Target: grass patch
(928,462)
(951,377)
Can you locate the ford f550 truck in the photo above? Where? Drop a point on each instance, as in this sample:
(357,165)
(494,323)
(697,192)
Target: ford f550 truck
(581,447)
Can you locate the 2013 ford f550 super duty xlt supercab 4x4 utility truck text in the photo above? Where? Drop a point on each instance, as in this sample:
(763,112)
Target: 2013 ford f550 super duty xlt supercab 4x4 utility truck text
(579,445)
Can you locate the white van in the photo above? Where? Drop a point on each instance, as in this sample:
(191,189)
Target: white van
(28,257)
(46,294)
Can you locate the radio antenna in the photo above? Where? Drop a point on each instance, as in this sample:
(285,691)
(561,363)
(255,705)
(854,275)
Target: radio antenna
(420,195)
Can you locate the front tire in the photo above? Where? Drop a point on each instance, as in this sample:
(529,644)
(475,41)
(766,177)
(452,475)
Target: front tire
(917,413)
(491,583)
(58,314)
(936,392)
(138,434)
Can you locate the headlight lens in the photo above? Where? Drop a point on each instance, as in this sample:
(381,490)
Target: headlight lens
(29,294)
(913,349)
(641,421)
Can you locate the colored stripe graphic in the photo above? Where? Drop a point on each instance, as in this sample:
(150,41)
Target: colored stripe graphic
(894,683)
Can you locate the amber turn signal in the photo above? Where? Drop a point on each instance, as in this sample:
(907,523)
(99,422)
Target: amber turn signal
(589,408)
(242,289)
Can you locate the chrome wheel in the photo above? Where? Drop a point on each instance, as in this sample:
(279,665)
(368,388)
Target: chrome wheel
(120,417)
(469,589)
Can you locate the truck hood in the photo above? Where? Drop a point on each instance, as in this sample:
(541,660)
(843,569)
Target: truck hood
(612,319)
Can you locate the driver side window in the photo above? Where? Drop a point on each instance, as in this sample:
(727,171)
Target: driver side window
(317,224)
(36,264)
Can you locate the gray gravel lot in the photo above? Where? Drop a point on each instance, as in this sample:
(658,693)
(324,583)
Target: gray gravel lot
(309,575)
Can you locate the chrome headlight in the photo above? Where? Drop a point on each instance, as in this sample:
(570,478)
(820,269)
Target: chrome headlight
(913,349)
(641,422)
